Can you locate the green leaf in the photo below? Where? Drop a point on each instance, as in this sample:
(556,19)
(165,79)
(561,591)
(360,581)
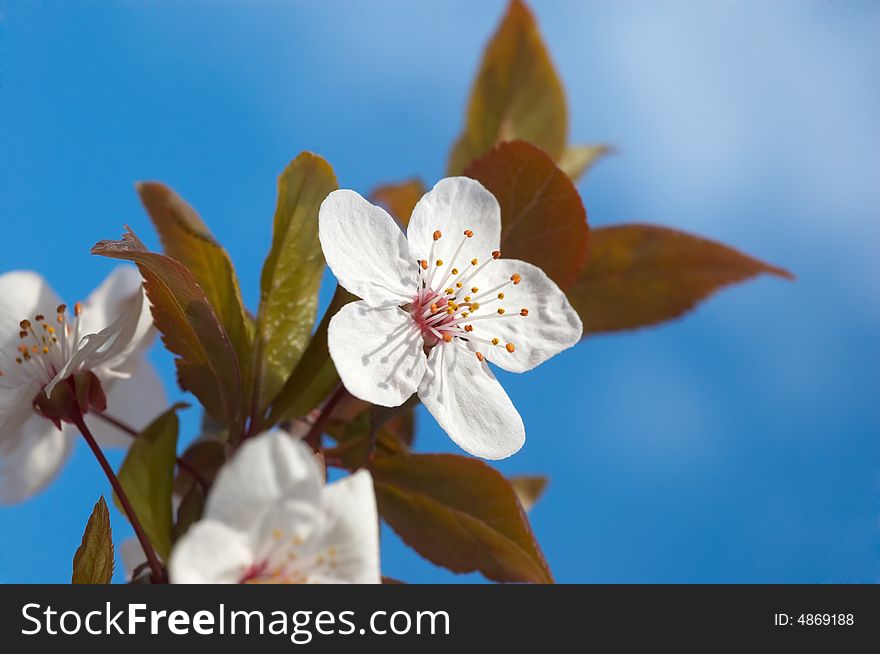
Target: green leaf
(399,199)
(529,489)
(292,273)
(517,94)
(578,159)
(186,238)
(147,476)
(205,456)
(207,364)
(459,513)
(641,275)
(190,511)
(314,377)
(543,220)
(93,561)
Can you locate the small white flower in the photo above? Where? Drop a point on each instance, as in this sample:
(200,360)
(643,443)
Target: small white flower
(437,304)
(42,344)
(270,518)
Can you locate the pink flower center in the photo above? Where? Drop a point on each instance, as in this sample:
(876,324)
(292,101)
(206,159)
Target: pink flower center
(448,300)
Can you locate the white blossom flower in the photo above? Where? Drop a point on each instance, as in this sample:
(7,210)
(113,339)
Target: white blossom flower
(44,343)
(270,518)
(437,304)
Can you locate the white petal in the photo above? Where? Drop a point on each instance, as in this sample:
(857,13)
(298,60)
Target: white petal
(136,401)
(454,205)
(366,250)
(16,407)
(112,299)
(264,472)
(38,452)
(132,555)
(23,294)
(469,404)
(550,327)
(210,552)
(349,540)
(378,353)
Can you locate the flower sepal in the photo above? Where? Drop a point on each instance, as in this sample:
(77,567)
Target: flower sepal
(72,398)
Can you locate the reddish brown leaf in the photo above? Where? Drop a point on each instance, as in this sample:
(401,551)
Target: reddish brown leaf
(399,199)
(529,489)
(185,237)
(516,95)
(207,364)
(459,513)
(640,275)
(542,216)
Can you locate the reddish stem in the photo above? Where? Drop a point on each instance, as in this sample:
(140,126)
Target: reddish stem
(158,572)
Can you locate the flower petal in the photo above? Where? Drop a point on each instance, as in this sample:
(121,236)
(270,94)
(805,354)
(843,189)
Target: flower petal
(23,294)
(366,250)
(132,555)
(469,404)
(454,205)
(265,471)
(210,552)
(36,454)
(347,549)
(378,353)
(136,400)
(113,299)
(550,327)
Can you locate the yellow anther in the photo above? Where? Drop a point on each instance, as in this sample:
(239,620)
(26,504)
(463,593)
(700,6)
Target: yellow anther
(437,235)
(496,254)
(467,298)
(457,284)
(449,291)
(510,347)
(501,296)
(450,311)
(439,262)
(464,314)
(447,337)
(500,311)
(468,233)
(479,356)
(45,350)
(515,278)
(455,271)
(475,306)
(494,341)
(523,312)
(277,534)
(450,303)
(50,329)
(474,262)
(474,289)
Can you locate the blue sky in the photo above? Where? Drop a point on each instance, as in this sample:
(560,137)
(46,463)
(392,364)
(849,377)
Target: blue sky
(738,444)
